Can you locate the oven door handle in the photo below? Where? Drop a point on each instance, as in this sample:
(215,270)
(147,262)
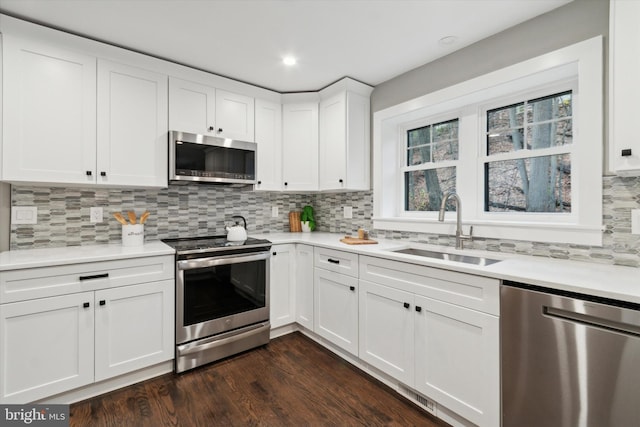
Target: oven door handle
(189,264)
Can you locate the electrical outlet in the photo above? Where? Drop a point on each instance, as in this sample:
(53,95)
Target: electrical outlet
(274,211)
(24,215)
(348,212)
(635,221)
(96,215)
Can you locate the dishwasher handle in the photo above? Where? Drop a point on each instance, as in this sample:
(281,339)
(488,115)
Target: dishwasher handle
(594,321)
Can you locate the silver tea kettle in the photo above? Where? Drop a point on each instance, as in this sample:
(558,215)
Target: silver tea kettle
(237,232)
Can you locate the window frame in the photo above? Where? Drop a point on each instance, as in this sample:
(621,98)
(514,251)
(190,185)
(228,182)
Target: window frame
(581,62)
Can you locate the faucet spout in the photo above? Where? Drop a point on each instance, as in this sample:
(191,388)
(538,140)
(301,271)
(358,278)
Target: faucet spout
(460,236)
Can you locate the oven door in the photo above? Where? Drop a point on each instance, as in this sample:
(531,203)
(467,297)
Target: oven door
(219,294)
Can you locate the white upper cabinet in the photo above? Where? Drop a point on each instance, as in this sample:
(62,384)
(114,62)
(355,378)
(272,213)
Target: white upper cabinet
(192,107)
(49,113)
(268,129)
(205,110)
(300,146)
(624,90)
(344,148)
(132,126)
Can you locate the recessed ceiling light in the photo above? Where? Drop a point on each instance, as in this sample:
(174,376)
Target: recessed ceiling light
(289,60)
(448,40)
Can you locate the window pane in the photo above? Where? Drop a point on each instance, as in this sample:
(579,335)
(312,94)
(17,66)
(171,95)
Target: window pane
(549,107)
(446,150)
(550,134)
(505,129)
(419,136)
(445,131)
(424,189)
(536,184)
(418,156)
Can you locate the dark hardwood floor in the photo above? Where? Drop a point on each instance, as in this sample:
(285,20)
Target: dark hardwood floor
(292,381)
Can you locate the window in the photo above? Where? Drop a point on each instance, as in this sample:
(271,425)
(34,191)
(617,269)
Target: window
(522,146)
(529,159)
(429,169)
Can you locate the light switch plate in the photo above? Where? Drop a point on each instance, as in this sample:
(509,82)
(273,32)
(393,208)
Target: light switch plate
(635,221)
(24,215)
(348,212)
(274,211)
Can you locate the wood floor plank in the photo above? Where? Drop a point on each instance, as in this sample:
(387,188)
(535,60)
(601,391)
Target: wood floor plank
(292,381)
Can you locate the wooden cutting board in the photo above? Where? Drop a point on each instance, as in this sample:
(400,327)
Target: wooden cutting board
(349,240)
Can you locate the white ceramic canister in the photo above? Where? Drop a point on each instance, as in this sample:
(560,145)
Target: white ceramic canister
(133,235)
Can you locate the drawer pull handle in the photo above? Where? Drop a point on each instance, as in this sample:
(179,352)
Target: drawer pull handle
(86,305)
(418,308)
(407,305)
(333,261)
(103,302)
(626,152)
(352,288)
(95,276)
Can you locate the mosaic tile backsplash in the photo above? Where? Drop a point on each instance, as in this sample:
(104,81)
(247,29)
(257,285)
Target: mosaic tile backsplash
(199,210)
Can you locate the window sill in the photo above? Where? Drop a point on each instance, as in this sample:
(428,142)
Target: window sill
(536,232)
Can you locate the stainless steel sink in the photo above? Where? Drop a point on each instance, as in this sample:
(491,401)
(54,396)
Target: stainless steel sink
(466,259)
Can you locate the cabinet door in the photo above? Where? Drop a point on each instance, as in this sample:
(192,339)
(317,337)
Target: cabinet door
(332,148)
(336,309)
(134,327)
(282,291)
(457,359)
(624,88)
(132,126)
(304,285)
(234,116)
(47,346)
(192,107)
(49,114)
(386,330)
(300,147)
(269,139)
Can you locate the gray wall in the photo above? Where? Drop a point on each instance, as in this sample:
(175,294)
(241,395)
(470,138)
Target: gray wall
(574,22)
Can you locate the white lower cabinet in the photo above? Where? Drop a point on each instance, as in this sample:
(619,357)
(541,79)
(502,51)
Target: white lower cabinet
(446,350)
(336,309)
(54,344)
(47,346)
(457,360)
(387,330)
(132,328)
(304,286)
(281,285)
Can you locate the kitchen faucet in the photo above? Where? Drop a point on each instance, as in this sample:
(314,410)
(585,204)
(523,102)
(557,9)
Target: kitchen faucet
(460,236)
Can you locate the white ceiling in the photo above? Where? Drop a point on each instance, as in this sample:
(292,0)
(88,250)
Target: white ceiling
(368,40)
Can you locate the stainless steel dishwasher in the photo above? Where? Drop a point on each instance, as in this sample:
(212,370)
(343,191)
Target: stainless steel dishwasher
(568,360)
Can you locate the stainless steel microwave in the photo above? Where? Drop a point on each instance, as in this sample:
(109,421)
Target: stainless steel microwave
(210,159)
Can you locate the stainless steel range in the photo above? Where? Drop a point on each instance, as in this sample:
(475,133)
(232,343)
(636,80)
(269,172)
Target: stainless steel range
(222,298)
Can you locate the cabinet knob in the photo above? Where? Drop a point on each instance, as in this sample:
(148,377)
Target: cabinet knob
(274,253)
(89,173)
(219,130)
(418,308)
(626,152)
(340,181)
(103,173)
(259,182)
(103,302)
(286,183)
(352,288)
(86,305)
(211,128)
(407,305)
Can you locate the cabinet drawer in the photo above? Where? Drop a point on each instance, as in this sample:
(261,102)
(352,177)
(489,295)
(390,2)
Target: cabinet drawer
(466,290)
(27,284)
(338,261)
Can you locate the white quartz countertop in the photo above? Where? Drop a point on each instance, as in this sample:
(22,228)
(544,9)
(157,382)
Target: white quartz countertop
(32,258)
(608,281)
